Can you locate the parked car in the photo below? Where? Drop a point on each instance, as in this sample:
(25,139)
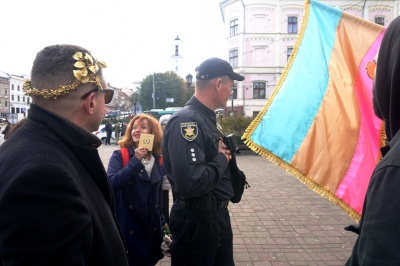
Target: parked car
(112,114)
(101,134)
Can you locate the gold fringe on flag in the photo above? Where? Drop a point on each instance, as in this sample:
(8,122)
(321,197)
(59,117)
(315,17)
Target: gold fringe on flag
(304,179)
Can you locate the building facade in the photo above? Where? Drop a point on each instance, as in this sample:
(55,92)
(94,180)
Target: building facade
(4,94)
(19,102)
(261,35)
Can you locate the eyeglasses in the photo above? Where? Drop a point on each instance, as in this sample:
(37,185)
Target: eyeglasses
(108,94)
(370,67)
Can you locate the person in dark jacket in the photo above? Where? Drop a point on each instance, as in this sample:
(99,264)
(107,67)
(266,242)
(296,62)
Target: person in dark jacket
(136,181)
(109,129)
(378,242)
(6,131)
(196,163)
(56,205)
(123,128)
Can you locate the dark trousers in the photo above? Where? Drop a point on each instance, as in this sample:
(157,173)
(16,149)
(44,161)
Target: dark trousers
(198,243)
(108,138)
(166,205)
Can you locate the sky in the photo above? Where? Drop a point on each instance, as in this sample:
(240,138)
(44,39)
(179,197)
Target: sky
(134,37)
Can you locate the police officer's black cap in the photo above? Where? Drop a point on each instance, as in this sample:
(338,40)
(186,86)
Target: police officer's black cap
(216,67)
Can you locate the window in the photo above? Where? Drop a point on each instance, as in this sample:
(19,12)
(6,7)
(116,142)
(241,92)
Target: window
(380,21)
(234,28)
(233,58)
(6,103)
(260,23)
(260,56)
(18,88)
(23,98)
(289,52)
(28,100)
(5,92)
(234,90)
(292,25)
(12,97)
(18,98)
(259,90)
(12,86)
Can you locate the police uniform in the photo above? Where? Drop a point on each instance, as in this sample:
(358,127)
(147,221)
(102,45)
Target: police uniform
(194,168)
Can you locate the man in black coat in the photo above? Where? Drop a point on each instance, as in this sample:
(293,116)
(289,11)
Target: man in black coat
(109,129)
(56,205)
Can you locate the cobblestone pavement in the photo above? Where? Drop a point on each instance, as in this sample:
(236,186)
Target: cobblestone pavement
(280,221)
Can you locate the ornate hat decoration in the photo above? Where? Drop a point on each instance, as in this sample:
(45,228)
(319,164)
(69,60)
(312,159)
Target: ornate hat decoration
(87,67)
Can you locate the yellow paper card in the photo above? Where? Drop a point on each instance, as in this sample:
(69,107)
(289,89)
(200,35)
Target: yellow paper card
(146,141)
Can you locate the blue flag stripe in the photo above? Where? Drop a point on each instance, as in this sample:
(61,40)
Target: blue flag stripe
(292,111)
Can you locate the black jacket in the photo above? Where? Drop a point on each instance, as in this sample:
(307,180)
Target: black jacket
(192,162)
(56,205)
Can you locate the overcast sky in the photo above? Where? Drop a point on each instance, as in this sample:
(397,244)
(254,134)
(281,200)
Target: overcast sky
(134,37)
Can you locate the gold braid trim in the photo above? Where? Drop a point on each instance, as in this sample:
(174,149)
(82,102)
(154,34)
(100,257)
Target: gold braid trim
(87,67)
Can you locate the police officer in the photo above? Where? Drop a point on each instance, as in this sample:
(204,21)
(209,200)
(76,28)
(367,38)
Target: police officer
(196,162)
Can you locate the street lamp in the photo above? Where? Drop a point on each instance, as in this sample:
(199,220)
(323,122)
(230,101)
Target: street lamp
(231,112)
(154,94)
(189,78)
(232,101)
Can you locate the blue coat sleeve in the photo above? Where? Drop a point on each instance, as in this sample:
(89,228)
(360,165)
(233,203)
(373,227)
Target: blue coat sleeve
(120,176)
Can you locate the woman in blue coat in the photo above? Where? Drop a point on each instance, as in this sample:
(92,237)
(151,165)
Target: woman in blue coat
(136,176)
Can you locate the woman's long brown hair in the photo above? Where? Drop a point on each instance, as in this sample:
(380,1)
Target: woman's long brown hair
(155,129)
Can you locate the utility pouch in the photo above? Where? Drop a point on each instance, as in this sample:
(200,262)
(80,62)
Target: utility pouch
(239,181)
(206,208)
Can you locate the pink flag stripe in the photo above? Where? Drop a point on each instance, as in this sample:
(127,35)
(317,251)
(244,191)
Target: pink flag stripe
(354,184)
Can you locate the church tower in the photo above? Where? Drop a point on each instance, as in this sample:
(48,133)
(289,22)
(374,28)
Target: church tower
(176,58)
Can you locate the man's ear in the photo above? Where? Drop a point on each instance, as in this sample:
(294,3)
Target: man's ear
(89,104)
(218,83)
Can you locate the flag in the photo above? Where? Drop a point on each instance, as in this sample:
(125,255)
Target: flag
(319,123)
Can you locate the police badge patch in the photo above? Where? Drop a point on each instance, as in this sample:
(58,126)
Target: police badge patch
(189,130)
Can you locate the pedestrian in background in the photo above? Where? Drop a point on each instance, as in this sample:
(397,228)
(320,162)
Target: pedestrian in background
(16,126)
(136,175)
(56,205)
(378,242)
(166,186)
(196,162)
(109,129)
(117,132)
(6,130)
(123,128)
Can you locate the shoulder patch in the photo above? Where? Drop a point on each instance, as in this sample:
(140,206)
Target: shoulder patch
(189,130)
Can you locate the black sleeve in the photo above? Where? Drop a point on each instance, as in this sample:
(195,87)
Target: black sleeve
(187,142)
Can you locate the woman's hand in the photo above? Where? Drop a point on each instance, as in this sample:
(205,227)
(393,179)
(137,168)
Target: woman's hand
(141,153)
